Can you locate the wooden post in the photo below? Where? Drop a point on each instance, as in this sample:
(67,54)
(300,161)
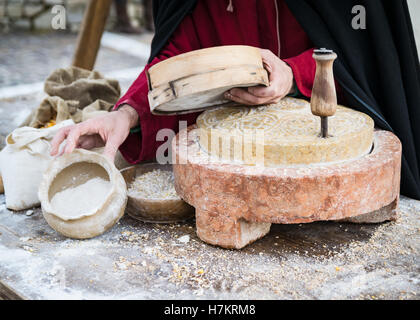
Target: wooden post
(90,33)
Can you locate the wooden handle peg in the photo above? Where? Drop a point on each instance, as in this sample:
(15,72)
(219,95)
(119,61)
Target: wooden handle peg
(324,97)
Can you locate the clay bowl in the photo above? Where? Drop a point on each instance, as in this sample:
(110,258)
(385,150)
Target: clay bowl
(71,170)
(154,210)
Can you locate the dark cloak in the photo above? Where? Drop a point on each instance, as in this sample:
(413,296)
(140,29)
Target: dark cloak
(378,67)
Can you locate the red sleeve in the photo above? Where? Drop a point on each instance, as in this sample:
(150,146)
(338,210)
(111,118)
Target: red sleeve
(303,66)
(142,146)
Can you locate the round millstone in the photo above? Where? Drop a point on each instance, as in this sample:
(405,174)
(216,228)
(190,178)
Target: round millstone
(283,133)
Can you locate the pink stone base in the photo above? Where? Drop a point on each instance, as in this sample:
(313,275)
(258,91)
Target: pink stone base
(235,204)
(387,213)
(228,231)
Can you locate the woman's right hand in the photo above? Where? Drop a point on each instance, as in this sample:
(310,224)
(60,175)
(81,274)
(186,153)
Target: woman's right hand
(109,130)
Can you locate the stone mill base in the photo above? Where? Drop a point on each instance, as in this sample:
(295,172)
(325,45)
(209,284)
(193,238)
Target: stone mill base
(236,204)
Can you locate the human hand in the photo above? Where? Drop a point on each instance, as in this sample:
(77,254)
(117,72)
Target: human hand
(281,83)
(110,130)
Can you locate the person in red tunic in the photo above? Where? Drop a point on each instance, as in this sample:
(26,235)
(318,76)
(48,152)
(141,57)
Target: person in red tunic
(267,24)
(377,67)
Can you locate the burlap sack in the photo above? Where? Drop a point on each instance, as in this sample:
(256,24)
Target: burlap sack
(95,109)
(82,85)
(75,94)
(54,108)
(60,110)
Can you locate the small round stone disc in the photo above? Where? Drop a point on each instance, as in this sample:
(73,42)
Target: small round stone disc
(286,133)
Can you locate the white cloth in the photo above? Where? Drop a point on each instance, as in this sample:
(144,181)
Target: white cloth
(23,162)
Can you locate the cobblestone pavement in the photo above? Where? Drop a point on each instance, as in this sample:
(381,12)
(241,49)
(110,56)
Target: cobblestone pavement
(27,58)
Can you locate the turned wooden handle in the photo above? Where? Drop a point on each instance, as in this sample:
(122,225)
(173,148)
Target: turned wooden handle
(324,97)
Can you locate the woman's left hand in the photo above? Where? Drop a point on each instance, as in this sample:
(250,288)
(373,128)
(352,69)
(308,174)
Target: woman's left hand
(281,83)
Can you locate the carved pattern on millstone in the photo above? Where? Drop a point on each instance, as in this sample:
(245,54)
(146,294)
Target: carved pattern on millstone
(290,130)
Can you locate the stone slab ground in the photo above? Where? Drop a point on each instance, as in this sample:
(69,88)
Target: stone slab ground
(135,260)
